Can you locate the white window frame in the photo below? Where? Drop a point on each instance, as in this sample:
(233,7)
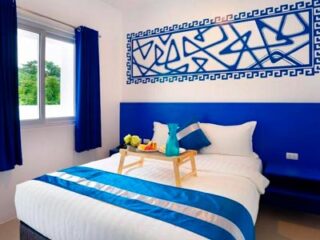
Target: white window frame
(45,31)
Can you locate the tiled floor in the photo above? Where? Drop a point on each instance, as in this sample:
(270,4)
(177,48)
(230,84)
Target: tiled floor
(272,224)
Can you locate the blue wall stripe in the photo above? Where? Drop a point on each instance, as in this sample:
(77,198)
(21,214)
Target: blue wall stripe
(281,128)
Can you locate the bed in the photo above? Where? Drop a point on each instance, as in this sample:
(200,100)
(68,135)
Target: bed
(49,211)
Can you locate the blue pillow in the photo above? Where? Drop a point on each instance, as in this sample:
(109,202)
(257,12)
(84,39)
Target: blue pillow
(192,137)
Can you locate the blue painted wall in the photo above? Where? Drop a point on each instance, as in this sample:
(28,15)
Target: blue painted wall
(281,128)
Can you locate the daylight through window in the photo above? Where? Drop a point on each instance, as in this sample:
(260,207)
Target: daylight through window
(46,88)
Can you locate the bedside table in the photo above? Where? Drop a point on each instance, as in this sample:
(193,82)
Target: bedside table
(114,151)
(293,186)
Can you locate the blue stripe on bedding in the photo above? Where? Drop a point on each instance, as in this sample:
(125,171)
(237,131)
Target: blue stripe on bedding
(221,206)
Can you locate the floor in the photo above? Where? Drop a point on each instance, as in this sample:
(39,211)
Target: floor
(280,224)
(9,230)
(272,224)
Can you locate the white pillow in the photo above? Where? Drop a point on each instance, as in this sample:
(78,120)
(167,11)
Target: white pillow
(229,140)
(160,133)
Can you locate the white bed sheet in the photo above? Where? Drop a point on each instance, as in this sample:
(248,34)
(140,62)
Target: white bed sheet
(61,214)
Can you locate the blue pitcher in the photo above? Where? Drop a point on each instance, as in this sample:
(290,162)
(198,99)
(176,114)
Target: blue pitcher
(172,146)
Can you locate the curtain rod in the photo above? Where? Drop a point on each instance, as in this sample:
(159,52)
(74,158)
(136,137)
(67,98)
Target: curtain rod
(50,18)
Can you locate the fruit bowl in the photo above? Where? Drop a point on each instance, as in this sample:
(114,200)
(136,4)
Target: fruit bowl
(152,150)
(150,147)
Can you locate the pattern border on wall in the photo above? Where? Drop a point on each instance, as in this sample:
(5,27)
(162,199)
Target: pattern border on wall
(311,70)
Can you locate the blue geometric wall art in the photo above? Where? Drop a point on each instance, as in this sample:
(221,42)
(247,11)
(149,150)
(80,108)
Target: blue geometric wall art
(272,42)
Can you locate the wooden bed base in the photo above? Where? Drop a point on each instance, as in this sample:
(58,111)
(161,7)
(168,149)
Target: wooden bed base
(27,233)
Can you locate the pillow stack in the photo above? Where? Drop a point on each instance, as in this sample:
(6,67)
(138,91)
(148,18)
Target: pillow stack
(211,138)
(229,140)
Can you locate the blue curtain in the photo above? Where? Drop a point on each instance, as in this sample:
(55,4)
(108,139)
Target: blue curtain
(10,141)
(88,119)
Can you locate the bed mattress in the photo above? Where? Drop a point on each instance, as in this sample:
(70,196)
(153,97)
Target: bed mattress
(60,214)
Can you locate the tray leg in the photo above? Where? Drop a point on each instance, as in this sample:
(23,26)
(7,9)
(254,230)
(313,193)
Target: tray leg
(121,163)
(176,172)
(193,166)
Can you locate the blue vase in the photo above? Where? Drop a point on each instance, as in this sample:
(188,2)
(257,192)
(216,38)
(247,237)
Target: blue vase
(172,146)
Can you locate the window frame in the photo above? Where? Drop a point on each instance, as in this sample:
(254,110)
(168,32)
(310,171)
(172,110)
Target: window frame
(44,32)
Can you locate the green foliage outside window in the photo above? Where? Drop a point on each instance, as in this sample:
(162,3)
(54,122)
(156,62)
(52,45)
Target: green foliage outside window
(28,84)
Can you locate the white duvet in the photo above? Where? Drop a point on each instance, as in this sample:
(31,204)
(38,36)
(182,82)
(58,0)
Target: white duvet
(61,214)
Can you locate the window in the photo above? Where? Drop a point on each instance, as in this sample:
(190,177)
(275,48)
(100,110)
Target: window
(46,74)
(59,78)
(28,50)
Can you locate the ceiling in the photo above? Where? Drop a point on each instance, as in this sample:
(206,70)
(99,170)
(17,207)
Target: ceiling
(128,4)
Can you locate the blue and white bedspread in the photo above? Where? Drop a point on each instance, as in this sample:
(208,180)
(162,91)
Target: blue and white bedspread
(218,204)
(207,215)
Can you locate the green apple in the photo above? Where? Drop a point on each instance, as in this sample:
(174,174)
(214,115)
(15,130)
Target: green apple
(127,139)
(135,141)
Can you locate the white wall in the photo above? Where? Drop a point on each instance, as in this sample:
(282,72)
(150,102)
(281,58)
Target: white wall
(48,148)
(169,12)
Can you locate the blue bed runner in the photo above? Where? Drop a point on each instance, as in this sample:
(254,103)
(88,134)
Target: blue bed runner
(205,214)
